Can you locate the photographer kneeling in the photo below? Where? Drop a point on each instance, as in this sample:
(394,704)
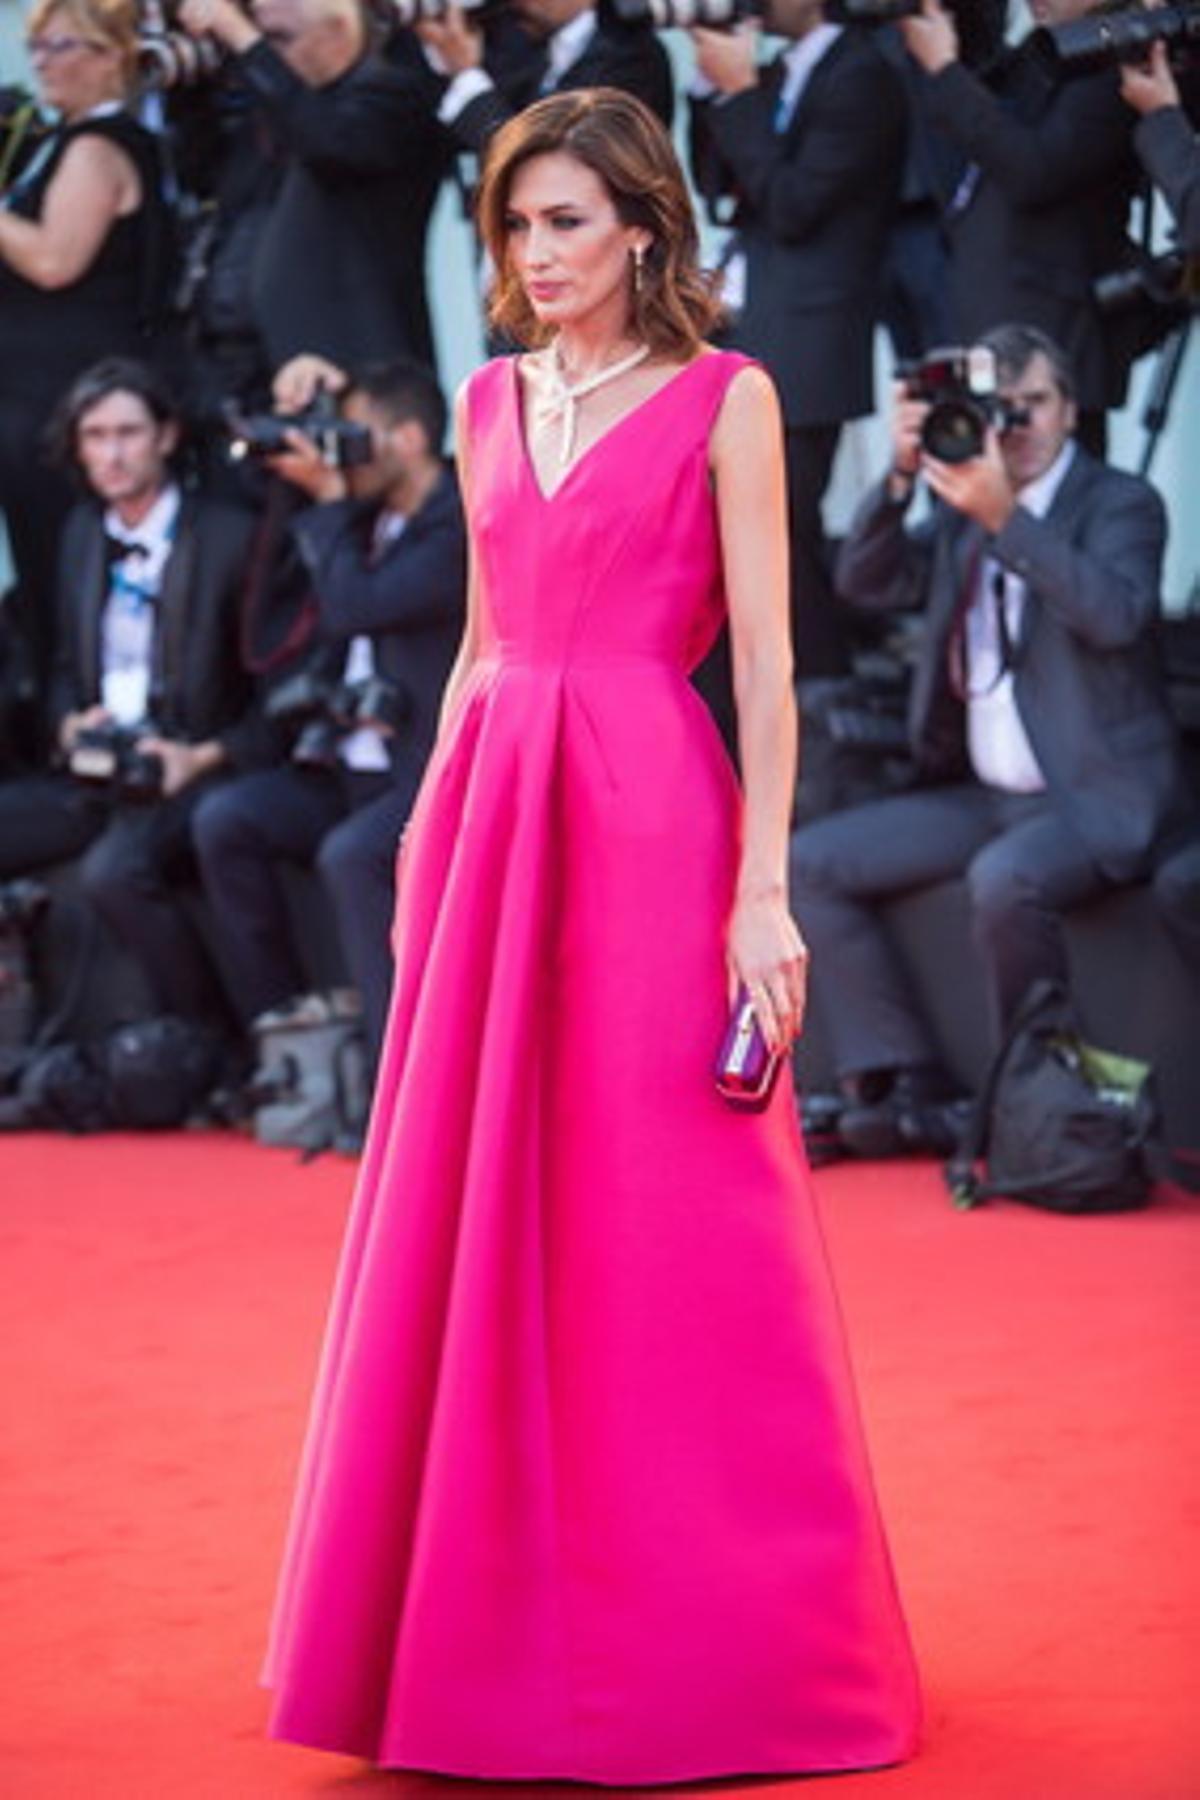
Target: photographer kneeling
(1038,718)
(385,548)
(150,702)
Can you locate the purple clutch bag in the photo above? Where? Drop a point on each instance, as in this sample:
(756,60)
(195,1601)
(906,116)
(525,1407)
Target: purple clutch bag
(746,1066)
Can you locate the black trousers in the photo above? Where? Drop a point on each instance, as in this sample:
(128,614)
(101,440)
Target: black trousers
(350,825)
(1023,865)
(1177,896)
(132,875)
(45,819)
(817,634)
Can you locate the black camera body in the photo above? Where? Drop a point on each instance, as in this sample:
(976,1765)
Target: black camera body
(327,711)
(107,757)
(961,388)
(1103,39)
(340,443)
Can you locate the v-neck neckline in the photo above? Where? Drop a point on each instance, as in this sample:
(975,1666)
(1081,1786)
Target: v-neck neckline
(548,499)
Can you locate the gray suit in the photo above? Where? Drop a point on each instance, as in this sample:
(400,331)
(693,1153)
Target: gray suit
(1088,687)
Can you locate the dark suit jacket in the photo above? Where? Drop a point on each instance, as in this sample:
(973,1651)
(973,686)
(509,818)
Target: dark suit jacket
(1086,673)
(410,603)
(620,56)
(812,208)
(340,267)
(200,686)
(1169,149)
(1056,172)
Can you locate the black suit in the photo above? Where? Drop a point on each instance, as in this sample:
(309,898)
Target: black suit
(1088,688)
(1170,152)
(340,266)
(409,601)
(200,691)
(628,57)
(1042,211)
(812,205)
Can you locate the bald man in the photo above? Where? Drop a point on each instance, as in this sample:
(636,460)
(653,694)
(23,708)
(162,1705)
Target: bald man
(340,267)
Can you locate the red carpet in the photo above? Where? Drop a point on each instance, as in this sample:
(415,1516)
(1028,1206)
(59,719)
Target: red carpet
(1029,1385)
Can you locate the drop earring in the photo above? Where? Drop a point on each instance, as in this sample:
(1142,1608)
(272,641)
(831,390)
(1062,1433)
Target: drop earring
(639,265)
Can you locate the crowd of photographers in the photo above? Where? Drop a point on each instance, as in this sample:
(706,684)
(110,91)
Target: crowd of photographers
(226,656)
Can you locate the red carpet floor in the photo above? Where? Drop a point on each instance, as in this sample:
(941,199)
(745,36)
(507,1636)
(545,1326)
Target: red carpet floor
(1030,1391)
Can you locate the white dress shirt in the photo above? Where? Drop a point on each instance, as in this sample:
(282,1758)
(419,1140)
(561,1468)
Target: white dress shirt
(128,619)
(997,742)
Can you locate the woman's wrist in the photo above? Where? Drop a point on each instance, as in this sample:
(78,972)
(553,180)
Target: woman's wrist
(752,889)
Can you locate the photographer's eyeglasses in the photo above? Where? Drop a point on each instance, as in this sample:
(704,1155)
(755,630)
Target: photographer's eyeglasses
(47,49)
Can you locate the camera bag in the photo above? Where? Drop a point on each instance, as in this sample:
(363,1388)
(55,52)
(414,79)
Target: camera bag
(310,1088)
(1061,1124)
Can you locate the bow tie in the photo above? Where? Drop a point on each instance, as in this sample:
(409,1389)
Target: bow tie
(118,549)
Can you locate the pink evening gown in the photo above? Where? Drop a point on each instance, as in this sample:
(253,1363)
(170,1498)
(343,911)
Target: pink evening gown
(584,1493)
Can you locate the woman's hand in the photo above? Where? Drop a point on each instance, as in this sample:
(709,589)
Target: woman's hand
(766,953)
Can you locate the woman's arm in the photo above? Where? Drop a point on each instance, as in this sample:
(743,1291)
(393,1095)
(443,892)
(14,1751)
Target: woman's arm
(468,648)
(94,185)
(765,949)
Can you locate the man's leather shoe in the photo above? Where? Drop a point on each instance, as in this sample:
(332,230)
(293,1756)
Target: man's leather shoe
(919,1116)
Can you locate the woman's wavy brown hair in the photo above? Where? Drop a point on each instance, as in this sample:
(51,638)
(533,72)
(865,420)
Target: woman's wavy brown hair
(674,306)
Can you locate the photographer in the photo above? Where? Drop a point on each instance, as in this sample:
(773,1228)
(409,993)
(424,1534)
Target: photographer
(150,701)
(384,545)
(1166,141)
(569,44)
(340,264)
(1038,718)
(84,256)
(1041,209)
(810,151)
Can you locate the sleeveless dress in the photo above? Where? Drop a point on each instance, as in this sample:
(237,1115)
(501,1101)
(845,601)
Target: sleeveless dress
(584,1493)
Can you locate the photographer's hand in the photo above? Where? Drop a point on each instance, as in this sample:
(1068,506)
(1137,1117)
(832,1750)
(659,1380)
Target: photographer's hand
(729,59)
(182,763)
(456,42)
(297,380)
(220,19)
(74,722)
(908,418)
(304,466)
(979,487)
(1150,86)
(931,38)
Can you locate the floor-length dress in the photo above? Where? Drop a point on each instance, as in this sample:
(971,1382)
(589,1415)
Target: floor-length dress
(584,1493)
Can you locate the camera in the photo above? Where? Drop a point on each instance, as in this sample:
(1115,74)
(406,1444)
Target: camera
(416,12)
(1101,39)
(168,57)
(107,756)
(339,443)
(1170,281)
(328,711)
(870,12)
(961,387)
(671,15)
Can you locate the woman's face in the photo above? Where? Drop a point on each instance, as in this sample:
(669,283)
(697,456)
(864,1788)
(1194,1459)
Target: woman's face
(74,70)
(565,243)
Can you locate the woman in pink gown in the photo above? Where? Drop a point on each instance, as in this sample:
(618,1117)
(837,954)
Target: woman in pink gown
(584,1493)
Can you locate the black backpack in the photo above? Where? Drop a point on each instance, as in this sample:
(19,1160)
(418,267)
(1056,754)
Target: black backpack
(154,1074)
(1061,1124)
